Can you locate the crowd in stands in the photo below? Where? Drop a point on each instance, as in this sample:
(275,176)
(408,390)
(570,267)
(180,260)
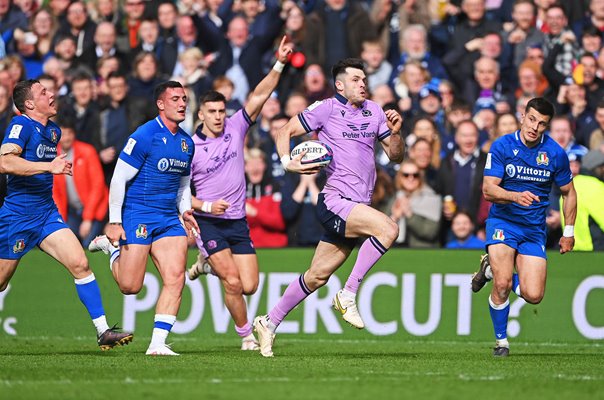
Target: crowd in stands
(459,71)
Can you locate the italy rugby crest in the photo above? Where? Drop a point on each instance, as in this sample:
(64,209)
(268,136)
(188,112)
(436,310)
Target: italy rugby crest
(498,235)
(542,158)
(141,231)
(19,246)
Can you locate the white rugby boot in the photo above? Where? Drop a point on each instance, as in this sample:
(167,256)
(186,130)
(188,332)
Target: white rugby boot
(266,338)
(348,308)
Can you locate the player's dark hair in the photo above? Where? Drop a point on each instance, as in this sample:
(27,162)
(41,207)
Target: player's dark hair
(22,92)
(340,66)
(212,96)
(162,87)
(542,106)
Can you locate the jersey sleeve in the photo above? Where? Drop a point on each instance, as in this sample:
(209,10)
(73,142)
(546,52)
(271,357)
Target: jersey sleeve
(383,130)
(188,171)
(18,132)
(136,149)
(239,122)
(495,164)
(563,175)
(315,116)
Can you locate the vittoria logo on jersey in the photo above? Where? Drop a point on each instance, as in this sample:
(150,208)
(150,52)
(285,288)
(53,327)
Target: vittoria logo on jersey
(19,246)
(171,165)
(527,173)
(53,136)
(141,231)
(498,235)
(542,158)
(44,151)
(184,146)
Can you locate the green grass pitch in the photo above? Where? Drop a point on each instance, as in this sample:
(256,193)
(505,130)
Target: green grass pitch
(55,354)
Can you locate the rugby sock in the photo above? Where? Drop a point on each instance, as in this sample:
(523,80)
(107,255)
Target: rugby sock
(294,294)
(516,284)
(162,326)
(370,252)
(499,316)
(115,253)
(245,330)
(90,295)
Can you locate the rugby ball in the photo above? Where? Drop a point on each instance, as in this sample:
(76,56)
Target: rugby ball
(316,152)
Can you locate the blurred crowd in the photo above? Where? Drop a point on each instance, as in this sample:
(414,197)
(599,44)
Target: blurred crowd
(460,72)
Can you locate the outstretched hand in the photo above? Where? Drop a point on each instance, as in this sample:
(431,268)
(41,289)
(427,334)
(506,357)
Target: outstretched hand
(285,50)
(191,226)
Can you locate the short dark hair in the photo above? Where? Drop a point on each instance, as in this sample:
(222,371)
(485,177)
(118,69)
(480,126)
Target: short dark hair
(542,106)
(81,76)
(600,103)
(22,92)
(340,66)
(211,96)
(280,116)
(117,74)
(590,30)
(162,87)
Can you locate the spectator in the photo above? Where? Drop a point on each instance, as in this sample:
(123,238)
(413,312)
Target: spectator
(65,52)
(226,87)
(295,104)
(121,116)
(316,86)
(128,37)
(259,134)
(145,76)
(425,128)
(12,18)
(458,112)
(26,50)
(383,95)
(239,54)
(269,149)
(421,153)
(105,45)
(592,19)
(596,137)
(82,199)
(460,174)
(591,41)
(416,208)
(383,191)
(594,86)
(167,15)
(106,11)
(447,94)
(300,194)
(560,47)
(263,204)
(572,102)
(414,45)
(58,9)
(44,26)
(377,69)
(82,110)
(104,67)
(150,40)
(531,80)
(333,32)
(186,38)
(54,68)
(408,85)
(522,33)
(79,26)
(463,233)
(504,123)
(487,84)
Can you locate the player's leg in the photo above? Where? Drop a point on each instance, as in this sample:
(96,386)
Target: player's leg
(239,276)
(7,270)
(502,259)
(65,247)
(327,259)
(169,256)
(128,265)
(532,272)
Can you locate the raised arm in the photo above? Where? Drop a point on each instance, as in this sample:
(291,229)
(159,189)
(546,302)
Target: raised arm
(569,208)
(269,83)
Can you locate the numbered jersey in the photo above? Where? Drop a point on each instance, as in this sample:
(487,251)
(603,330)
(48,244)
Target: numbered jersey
(162,158)
(31,194)
(522,168)
(351,133)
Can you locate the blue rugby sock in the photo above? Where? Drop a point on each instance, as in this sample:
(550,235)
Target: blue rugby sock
(499,316)
(90,295)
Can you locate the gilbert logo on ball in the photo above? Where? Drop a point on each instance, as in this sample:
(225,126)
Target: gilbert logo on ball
(314,152)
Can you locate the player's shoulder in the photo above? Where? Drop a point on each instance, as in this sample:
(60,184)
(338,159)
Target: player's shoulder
(504,141)
(323,104)
(372,108)
(23,121)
